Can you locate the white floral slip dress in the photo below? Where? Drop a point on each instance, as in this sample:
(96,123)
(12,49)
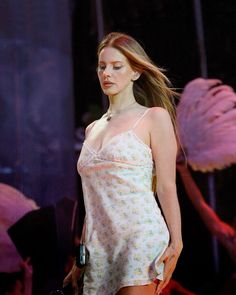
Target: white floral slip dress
(125,231)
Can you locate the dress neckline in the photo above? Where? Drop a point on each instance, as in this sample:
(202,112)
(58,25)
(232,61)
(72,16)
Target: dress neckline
(131,131)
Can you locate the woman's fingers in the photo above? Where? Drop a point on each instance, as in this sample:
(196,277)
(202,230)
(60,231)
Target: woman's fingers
(161,286)
(169,258)
(166,278)
(67,279)
(72,277)
(75,276)
(162,259)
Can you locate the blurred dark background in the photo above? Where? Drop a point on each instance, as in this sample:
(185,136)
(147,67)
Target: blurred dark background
(49,89)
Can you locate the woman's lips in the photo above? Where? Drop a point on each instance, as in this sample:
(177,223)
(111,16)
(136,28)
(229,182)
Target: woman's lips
(107,84)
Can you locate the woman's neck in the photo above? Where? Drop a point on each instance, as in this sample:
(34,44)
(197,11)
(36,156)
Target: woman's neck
(120,101)
(119,104)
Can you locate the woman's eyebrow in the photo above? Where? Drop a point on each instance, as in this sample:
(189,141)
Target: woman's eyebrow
(112,62)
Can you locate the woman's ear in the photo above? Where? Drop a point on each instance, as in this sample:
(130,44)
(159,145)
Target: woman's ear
(136,75)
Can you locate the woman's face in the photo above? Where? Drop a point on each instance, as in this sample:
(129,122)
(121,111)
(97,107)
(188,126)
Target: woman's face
(114,71)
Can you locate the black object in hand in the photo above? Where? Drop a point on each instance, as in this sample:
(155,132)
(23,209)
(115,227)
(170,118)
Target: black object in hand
(82,255)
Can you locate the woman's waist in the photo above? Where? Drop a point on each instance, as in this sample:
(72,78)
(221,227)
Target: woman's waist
(127,226)
(133,208)
(115,185)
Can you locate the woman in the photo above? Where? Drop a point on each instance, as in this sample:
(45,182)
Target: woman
(133,250)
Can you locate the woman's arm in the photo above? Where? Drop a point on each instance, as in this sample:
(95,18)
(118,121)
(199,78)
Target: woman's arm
(75,272)
(164,149)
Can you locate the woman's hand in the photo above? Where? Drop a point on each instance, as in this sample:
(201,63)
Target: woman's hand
(169,258)
(73,277)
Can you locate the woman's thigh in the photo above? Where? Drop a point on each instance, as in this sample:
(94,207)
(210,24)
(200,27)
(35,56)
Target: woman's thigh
(138,290)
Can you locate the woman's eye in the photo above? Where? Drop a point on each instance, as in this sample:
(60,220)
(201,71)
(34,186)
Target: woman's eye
(117,67)
(101,68)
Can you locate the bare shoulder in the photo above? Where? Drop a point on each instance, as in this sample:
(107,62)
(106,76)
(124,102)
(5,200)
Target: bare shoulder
(159,116)
(89,127)
(162,130)
(159,113)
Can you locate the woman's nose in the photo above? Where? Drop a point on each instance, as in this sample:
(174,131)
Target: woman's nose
(107,72)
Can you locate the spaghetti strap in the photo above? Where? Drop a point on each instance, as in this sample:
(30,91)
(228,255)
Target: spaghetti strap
(140,118)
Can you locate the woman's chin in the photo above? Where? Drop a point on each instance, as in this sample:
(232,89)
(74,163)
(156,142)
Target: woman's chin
(109,92)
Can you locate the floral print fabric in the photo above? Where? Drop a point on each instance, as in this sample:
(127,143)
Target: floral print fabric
(125,231)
